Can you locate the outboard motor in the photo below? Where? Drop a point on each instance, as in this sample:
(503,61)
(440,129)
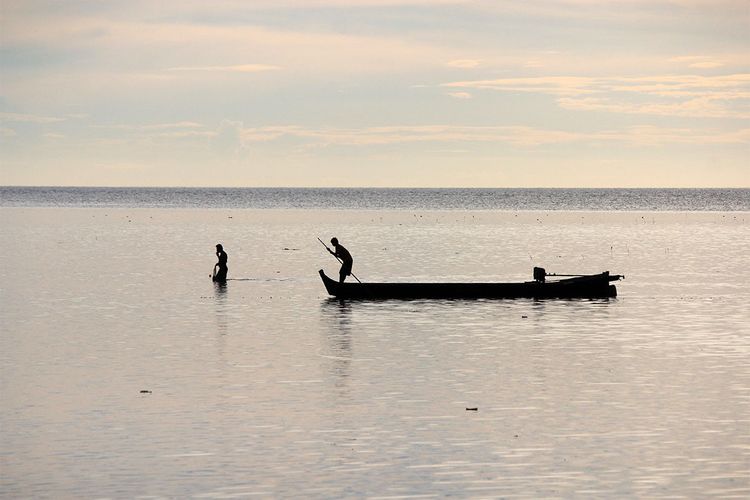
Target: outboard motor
(539,274)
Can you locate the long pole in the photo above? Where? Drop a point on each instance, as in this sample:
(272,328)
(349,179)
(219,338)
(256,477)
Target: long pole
(337,257)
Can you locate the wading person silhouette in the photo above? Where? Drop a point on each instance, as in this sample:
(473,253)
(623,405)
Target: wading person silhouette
(220,268)
(346,259)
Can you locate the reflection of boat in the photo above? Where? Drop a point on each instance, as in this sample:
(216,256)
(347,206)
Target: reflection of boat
(584,287)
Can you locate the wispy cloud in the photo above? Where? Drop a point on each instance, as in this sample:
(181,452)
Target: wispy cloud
(156,126)
(555,85)
(577,85)
(699,62)
(185,134)
(373,136)
(520,136)
(237,68)
(168,126)
(176,130)
(464,63)
(720,96)
(649,135)
(142,46)
(28,118)
(731,86)
(706,107)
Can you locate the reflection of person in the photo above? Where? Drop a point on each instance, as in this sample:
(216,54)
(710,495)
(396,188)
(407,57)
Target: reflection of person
(346,259)
(220,274)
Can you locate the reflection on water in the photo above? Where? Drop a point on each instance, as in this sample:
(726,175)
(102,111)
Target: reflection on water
(267,387)
(220,293)
(336,316)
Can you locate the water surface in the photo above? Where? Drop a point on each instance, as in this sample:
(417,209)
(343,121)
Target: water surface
(382,199)
(267,387)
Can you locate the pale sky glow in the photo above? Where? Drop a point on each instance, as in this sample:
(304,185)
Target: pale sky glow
(433,93)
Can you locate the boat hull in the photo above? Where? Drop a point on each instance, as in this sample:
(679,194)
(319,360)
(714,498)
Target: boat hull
(584,287)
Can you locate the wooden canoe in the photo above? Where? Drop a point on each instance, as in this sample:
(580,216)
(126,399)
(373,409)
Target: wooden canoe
(592,286)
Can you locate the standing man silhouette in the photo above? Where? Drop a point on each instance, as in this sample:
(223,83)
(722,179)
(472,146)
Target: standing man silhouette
(346,259)
(220,275)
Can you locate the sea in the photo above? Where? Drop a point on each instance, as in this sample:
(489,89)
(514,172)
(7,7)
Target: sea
(125,372)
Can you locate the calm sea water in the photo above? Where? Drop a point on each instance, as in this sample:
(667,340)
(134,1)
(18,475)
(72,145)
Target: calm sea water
(268,388)
(382,199)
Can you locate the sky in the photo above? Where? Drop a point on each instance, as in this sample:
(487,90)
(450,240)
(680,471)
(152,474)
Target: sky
(381,93)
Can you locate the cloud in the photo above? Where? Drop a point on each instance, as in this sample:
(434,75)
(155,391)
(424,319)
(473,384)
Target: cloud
(705,107)
(228,138)
(621,11)
(460,95)
(578,85)
(719,96)
(155,126)
(183,134)
(649,135)
(729,86)
(155,131)
(271,133)
(145,46)
(373,136)
(164,126)
(238,68)
(464,63)
(520,136)
(28,118)
(555,85)
(698,62)
(7,132)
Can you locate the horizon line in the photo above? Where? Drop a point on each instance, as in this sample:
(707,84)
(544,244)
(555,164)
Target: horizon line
(41,186)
